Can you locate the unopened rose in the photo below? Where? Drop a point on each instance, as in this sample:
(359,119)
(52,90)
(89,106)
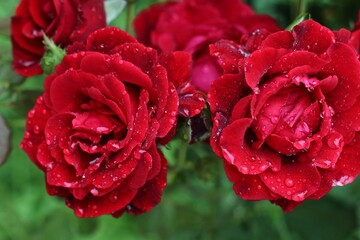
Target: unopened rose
(65,21)
(191,25)
(95,130)
(286,116)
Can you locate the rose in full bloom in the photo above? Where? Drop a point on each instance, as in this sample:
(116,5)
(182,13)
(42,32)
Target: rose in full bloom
(191,25)
(286,118)
(65,21)
(95,130)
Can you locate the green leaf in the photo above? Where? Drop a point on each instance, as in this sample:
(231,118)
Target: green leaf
(322,219)
(113,9)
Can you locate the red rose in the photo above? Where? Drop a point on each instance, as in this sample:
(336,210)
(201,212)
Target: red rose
(286,119)
(65,21)
(95,129)
(191,25)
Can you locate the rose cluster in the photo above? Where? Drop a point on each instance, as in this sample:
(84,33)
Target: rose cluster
(283,104)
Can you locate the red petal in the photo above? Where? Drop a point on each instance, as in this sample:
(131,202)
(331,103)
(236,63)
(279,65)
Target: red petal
(225,93)
(228,54)
(236,151)
(248,187)
(104,40)
(295,181)
(92,17)
(145,22)
(92,206)
(345,65)
(178,66)
(191,104)
(258,63)
(139,55)
(313,37)
(281,39)
(298,58)
(150,194)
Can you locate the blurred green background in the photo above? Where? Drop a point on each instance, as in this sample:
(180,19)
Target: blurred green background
(198,203)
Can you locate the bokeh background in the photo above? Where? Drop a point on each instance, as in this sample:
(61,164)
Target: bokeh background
(198,203)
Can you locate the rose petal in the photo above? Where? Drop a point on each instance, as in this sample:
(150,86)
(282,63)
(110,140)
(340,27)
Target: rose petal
(236,151)
(295,181)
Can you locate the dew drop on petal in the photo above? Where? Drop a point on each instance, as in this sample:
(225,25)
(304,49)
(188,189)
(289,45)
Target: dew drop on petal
(289,182)
(244,169)
(298,197)
(31,113)
(26,135)
(29,144)
(94,192)
(113,197)
(36,129)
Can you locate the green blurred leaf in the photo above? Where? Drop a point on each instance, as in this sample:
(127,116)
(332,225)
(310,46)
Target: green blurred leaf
(113,8)
(323,219)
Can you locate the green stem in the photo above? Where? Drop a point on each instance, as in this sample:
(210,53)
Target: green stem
(130,9)
(182,156)
(302,7)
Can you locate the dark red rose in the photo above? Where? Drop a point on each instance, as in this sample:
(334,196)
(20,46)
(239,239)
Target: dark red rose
(191,25)
(65,21)
(94,131)
(286,117)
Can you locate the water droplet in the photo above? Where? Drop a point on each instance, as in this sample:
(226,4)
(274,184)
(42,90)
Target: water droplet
(31,113)
(94,161)
(50,166)
(172,121)
(113,197)
(39,100)
(263,168)
(26,135)
(36,129)
(256,90)
(298,197)
(94,192)
(230,156)
(289,182)
(299,144)
(244,169)
(29,144)
(80,211)
(274,119)
(67,151)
